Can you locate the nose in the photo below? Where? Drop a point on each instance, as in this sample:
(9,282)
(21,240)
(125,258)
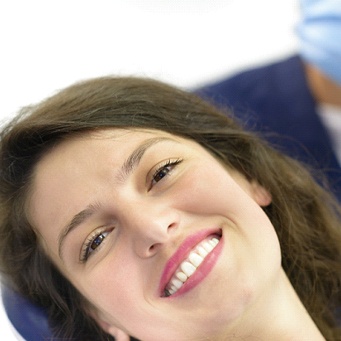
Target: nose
(150,226)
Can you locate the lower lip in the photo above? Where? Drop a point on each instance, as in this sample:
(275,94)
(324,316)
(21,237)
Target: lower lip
(202,271)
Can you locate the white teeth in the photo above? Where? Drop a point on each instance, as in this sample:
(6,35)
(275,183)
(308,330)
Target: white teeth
(215,241)
(180,275)
(188,268)
(207,246)
(202,252)
(195,259)
(212,243)
(177,283)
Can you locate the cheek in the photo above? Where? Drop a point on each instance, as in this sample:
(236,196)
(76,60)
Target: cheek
(112,288)
(208,190)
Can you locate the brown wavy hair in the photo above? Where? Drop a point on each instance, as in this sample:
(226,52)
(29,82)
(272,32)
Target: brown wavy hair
(305,216)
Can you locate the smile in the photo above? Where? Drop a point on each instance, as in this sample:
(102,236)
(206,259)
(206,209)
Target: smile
(188,267)
(200,256)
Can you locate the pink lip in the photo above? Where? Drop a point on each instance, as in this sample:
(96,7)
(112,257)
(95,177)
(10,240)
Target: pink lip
(181,254)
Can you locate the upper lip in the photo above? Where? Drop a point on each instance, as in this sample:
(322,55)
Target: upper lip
(181,254)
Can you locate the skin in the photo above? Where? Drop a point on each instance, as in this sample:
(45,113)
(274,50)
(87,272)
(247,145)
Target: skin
(324,89)
(245,296)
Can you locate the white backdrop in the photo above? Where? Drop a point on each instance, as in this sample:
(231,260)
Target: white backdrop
(47,45)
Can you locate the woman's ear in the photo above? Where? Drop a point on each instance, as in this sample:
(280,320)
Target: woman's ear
(253,188)
(260,194)
(118,334)
(110,329)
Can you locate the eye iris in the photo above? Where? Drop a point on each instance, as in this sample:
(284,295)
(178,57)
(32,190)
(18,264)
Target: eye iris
(161,174)
(97,242)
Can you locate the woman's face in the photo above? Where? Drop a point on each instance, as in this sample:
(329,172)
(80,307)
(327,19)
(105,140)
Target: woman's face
(164,241)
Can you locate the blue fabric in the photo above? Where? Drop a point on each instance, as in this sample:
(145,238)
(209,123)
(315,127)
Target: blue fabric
(276,99)
(319,32)
(29,320)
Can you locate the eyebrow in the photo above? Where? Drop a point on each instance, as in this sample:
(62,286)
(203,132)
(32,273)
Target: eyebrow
(77,220)
(135,157)
(127,168)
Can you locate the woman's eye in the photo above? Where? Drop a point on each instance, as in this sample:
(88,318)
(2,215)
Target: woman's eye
(163,170)
(92,244)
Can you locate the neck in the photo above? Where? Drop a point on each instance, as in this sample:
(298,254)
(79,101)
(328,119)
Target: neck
(277,315)
(323,88)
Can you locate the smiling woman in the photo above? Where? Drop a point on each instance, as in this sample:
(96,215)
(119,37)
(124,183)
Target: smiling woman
(129,207)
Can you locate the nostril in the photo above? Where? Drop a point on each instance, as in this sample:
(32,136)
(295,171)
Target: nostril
(153,247)
(172,226)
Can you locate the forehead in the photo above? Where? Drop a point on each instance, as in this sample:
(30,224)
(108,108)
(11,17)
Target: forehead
(96,152)
(120,139)
(89,148)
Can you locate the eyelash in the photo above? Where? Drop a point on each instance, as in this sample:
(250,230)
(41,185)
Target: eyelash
(167,165)
(85,253)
